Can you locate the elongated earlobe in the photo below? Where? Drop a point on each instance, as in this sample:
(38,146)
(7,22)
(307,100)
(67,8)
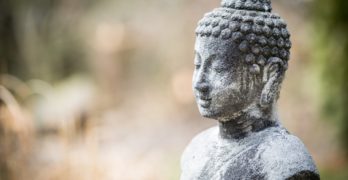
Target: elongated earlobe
(272,77)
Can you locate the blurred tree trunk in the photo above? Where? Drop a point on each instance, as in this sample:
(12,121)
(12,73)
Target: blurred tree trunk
(332,25)
(10,61)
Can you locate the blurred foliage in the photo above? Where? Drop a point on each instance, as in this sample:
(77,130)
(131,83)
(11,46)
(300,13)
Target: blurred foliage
(332,43)
(37,38)
(334,174)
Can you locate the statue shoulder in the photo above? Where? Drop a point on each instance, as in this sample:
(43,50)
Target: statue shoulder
(285,156)
(197,152)
(198,144)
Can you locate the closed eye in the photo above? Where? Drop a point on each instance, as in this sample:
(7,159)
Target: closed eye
(220,68)
(197,66)
(219,65)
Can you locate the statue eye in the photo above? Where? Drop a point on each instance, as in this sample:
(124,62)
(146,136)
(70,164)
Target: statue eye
(220,67)
(197,66)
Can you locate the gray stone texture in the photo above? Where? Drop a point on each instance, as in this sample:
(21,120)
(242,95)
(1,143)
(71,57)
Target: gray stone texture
(241,55)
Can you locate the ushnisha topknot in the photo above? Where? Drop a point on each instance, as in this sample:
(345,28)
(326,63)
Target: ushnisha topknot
(254,5)
(260,34)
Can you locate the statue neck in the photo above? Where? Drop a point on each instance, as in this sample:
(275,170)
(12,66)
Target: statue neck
(253,119)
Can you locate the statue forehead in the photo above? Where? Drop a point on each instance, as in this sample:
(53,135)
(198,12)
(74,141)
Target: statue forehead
(212,45)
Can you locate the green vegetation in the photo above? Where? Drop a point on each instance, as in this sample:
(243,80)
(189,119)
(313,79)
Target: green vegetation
(332,51)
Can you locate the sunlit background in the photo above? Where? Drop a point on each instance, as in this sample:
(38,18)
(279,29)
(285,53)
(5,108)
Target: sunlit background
(102,89)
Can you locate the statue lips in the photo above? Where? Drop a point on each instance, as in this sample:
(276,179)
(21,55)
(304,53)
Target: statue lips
(204,101)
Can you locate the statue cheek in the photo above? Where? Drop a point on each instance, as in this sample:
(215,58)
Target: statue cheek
(223,79)
(226,93)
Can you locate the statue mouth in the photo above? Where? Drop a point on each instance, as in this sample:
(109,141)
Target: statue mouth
(204,102)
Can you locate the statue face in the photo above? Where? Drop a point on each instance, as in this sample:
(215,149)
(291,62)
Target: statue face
(221,82)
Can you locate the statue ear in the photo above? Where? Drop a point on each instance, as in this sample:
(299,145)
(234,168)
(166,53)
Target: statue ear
(273,74)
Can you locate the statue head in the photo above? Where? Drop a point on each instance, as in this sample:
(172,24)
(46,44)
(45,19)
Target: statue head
(241,55)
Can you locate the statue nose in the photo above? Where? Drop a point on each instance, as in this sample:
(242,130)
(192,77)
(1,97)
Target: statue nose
(200,81)
(201,86)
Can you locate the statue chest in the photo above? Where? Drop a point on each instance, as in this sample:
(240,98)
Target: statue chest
(224,161)
(270,154)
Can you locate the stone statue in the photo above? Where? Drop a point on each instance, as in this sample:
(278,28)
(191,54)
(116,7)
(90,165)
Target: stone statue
(242,53)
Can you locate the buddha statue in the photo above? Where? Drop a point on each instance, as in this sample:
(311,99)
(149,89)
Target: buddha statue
(241,55)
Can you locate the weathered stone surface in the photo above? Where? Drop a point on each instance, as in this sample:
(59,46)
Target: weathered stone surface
(272,153)
(242,52)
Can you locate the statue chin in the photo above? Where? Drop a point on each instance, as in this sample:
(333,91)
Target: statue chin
(230,112)
(219,115)
(208,113)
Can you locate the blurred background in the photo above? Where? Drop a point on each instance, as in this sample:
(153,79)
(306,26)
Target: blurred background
(102,89)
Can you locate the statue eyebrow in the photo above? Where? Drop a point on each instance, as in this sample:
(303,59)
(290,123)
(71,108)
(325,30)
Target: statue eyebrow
(208,60)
